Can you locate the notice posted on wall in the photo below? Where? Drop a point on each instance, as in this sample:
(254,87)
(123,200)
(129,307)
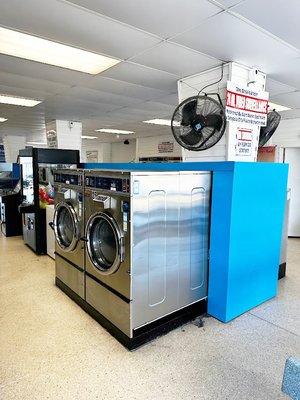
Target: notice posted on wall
(246,105)
(244,142)
(92,156)
(51,139)
(165,147)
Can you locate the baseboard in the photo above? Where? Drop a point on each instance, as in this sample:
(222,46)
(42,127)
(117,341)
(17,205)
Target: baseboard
(146,333)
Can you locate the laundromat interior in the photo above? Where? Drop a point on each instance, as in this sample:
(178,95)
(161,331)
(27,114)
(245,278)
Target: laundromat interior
(149,200)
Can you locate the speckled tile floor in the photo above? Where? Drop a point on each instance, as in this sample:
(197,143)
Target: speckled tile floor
(51,349)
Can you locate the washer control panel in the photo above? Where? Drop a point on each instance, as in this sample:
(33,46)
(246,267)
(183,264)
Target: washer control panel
(106,183)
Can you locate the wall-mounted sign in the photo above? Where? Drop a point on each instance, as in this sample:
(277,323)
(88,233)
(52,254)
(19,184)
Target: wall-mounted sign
(244,142)
(92,156)
(266,154)
(52,139)
(246,105)
(165,147)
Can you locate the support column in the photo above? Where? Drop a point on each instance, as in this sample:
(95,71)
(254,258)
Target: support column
(12,145)
(217,78)
(64,135)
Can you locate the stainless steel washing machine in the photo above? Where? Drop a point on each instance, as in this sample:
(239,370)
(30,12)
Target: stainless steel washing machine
(68,225)
(146,244)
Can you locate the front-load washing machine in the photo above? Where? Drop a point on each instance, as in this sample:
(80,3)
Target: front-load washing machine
(68,225)
(146,248)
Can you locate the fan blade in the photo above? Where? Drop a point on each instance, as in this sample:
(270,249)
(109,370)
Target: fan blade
(214,121)
(188,112)
(266,132)
(191,138)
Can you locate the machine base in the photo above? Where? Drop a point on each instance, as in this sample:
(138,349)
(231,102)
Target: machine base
(146,333)
(282,271)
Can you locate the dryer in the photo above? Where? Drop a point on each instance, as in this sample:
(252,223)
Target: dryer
(146,246)
(68,225)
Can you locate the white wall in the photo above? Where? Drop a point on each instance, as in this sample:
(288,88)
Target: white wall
(104,150)
(121,152)
(287,134)
(12,145)
(69,134)
(148,146)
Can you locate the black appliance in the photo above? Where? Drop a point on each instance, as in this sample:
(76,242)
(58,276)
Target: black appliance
(37,165)
(10,198)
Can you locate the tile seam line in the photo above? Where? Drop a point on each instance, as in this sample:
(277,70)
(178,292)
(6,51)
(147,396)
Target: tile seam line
(275,325)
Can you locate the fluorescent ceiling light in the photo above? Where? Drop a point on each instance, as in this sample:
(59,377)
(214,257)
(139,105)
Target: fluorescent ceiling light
(89,137)
(116,131)
(277,107)
(18,101)
(45,51)
(159,121)
(3,119)
(37,143)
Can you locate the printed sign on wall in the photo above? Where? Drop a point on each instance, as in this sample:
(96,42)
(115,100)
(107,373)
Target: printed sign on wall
(244,142)
(246,105)
(52,139)
(165,147)
(92,156)
(266,154)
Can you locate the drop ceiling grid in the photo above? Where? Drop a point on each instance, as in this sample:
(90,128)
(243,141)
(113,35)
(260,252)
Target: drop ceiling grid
(144,75)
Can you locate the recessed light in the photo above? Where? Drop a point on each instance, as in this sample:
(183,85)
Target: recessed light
(33,48)
(18,101)
(37,143)
(89,137)
(3,119)
(116,131)
(158,121)
(277,107)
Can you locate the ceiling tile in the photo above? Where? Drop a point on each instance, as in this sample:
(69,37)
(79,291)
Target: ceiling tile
(229,3)
(41,71)
(19,81)
(164,19)
(235,40)
(287,72)
(275,87)
(101,97)
(142,75)
(21,92)
(63,22)
(289,99)
(279,17)
(176,59)
(127,89)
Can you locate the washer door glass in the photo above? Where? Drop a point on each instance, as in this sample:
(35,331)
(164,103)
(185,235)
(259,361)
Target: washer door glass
(65,224)
(103,243)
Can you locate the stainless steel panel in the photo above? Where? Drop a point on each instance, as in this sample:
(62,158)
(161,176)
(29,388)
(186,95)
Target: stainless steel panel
(170,216)
(70,276)
(109,305)
(29,230)
(155,262)
(194,236)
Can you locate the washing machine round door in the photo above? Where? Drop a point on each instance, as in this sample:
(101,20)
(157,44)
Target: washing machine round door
(105,243)
(66,226)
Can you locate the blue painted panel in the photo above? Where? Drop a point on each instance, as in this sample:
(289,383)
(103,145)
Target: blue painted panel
(219,243)
(257,210)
